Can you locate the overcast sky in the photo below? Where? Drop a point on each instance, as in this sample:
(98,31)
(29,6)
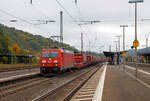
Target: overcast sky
(111,13)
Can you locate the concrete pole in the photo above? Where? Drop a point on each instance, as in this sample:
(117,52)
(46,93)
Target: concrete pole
(146,42)
(116,45)
(147,47)
(135,2)
(89,47)
(123,38)
(109,48)
(123,26)
(116,52)
(81,42)
(119,49)
(31,2)
(61,28)
(136,38)
(124,48)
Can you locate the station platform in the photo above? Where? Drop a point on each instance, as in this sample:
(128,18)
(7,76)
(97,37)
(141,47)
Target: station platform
(18,72)
(119,86)
(13,75)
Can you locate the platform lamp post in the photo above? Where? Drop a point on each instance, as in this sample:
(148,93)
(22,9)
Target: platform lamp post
(116,45)
(119,36)
(147,42)
(116,50)
(123,26)
(136,43)
(89,47)
(81,42)
(146,47)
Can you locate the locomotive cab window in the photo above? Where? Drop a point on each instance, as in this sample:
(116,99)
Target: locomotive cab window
(50,54)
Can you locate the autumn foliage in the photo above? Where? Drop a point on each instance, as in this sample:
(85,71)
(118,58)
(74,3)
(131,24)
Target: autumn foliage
(15,42)
(16,48)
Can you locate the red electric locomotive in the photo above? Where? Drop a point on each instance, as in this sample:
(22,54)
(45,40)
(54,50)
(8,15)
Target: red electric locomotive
(80,60)
(54,61)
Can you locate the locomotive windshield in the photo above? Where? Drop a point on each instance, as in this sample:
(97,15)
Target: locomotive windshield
(50,54)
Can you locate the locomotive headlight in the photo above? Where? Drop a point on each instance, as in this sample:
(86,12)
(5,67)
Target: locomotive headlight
(55,61)
(43,61)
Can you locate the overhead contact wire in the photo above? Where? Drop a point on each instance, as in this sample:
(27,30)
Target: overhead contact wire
(23,20)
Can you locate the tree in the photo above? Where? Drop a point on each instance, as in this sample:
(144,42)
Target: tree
(16,48)
(5,59)
(10,49)
(4,41)
(142,59)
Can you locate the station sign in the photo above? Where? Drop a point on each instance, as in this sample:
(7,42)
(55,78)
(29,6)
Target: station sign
(124,53)
(30,55)
(135,43)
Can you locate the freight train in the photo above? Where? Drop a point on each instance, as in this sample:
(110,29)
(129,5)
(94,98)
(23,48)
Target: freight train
(55,61)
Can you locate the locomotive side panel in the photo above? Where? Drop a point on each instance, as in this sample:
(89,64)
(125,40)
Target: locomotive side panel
(80,60)
(67,60)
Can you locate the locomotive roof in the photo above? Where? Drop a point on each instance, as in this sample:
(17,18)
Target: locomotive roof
(62,50)
(79,53)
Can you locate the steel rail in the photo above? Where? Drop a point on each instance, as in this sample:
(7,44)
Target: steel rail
(71,94)
(18,87)
(45,95)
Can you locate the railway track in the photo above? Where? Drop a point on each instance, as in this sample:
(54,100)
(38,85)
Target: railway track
(65,91)
(35,87)
(25,83)
(91,90)
(85,90)
(13,88)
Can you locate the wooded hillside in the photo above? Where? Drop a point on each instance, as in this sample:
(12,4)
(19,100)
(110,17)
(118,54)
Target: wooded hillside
(13,41)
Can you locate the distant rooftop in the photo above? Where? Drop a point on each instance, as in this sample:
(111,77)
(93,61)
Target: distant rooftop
(145,51)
